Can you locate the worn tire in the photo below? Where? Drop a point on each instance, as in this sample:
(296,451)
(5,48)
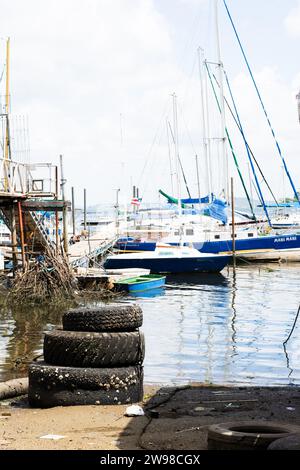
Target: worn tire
(84,349)
(65,386)
(118,317)
(246,435)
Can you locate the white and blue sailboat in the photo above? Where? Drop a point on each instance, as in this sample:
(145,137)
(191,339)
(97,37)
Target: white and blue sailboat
(254,241)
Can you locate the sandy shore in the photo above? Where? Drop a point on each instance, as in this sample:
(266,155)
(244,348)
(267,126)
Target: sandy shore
(175,418)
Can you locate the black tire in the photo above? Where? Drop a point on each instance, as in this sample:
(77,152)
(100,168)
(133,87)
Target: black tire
(65,386)
(118,317)
(246,435)
(84,349)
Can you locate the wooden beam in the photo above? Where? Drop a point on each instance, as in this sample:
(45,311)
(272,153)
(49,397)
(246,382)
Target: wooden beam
(51,206)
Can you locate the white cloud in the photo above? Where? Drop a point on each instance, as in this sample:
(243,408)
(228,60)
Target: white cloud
(280,101)
(75,66)
(292,21)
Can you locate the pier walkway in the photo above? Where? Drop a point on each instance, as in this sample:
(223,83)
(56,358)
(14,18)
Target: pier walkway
(92,247)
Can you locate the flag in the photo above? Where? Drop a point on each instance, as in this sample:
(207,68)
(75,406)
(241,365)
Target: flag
(135,201)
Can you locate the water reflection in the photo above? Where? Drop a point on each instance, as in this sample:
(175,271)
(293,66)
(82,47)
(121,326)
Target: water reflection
(21,332)
(227,329)
(148,294)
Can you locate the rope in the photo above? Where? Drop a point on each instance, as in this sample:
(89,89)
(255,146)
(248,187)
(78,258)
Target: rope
(247,149)
(261,102)
(180,163)
(248,146)
(291,332)
(230,144)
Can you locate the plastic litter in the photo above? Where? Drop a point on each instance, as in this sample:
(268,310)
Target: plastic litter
(54,437)
(134,410)
(290,408)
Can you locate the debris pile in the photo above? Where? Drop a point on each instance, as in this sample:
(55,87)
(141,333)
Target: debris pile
(47,278)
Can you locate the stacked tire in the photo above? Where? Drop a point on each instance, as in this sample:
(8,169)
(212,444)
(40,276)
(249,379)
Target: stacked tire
(96,359)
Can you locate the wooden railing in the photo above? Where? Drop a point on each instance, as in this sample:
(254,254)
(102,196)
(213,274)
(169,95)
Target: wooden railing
(30,180)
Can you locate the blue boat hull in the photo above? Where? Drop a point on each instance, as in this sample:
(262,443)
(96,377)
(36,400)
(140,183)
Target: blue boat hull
(171,265)
(269,243)
(142,286)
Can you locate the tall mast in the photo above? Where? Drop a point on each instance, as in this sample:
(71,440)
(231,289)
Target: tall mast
(175,124)
(170,159)
(204,124)
(222,104)
(7,106)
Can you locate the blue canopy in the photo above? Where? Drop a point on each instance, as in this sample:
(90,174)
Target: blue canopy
(216,210)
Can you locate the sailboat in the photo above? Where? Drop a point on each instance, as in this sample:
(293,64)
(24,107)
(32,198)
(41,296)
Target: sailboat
(253,241)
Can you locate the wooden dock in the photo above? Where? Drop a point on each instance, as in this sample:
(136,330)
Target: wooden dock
(90,248)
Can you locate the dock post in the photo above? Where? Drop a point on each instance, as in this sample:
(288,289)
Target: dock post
(84,209)
(65,225)
(22,236)
(56,212)
(73,210)
(232,225)
(14,237)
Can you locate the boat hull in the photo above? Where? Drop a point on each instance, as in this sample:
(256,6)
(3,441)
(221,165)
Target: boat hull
(257,248)
(207,264)
(141,286)
(270,247)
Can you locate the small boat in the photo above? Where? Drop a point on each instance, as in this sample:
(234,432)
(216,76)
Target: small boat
(141,283)
(170,259)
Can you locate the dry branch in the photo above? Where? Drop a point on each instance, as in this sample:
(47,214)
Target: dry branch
(47,278)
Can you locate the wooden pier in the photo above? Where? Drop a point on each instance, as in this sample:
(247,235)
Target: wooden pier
(26,192)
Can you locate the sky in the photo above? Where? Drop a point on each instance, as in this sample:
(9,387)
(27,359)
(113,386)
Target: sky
(92,80)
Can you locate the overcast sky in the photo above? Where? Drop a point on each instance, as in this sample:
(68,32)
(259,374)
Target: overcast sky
(95,77)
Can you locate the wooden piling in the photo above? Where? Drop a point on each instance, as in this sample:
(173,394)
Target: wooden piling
(84,209)
(65,222)
(21,225)
(73,211)
(14,237)
(56,212)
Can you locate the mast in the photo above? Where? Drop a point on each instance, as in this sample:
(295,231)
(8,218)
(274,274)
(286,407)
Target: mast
(7,107)
(222,104)
(198,182)
(7,98)
(170,159)
(175,124)
(204,124)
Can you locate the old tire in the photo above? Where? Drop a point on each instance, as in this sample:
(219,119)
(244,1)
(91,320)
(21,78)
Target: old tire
(291,442)
(84,349)
(118,317)
(246,435)
(64,386)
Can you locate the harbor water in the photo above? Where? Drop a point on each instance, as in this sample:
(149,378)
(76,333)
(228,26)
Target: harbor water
(220,329)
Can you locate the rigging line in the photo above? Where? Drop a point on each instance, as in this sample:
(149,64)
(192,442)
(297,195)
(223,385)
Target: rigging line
(230,144)
(188,46)
(262,103)
(294,324)
(187,129)
(167,104)
(180,163)
(188,79)
(154,159)
(248,146)
(2,73)
(248,153)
